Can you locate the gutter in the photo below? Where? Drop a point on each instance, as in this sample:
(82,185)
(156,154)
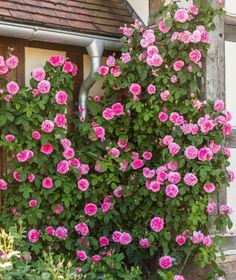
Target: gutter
(94,44)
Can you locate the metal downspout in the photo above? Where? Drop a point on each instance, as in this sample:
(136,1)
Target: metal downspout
(95,51)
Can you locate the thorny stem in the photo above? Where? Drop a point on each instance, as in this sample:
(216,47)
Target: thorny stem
(185,261)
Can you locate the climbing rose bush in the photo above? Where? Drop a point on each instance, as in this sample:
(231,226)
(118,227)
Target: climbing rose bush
(133,184)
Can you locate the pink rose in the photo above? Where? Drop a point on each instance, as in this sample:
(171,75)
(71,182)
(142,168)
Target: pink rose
(16,176)
(46,149)
(144,243)
(111,61)
(97,99)
(193,10)
(125,57)
(205,154)
(135,89)
(44,86)
(155,60)
(225,209)
(60,120)
(125,238)
(50,230)
(215,147)
(163,28)
(147,155)
(66,143)
(24,155)
(36,135)
(33,236)
(197,237)
(61,97)
(165,262)
(56,60)
(164,95)
(167,140)
(115,152)
(61,233)
(90,209)
(211,207)
(122,143)
(47,183)
(163,117)
(154,186)
(96,258)
(195,56)
(173,148)
(137,164)
(69,153)
(12,62)
(209,187)
(171,190)
(118,109)
(151,89)
(12,88)
(82,229)
(179,277)
(83,184)
(118,191)
(191,152)
(81,255)
(103,70)
(59,209)
(116,236)
(47,126)
(115,71)
(3,185)
(180,239)
(226,129)
(10,138)
(33,203)
(103,241)
(108,114)
(63,167)
(178,65)
(207,241)
(157,224)
(38,74)
(174,177)
(68,67)
(190,179)
(181,15)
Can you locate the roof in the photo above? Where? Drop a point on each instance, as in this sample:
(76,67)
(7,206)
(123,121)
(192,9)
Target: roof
(99,17)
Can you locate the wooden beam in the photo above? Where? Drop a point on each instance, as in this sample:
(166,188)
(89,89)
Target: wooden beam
(231,139)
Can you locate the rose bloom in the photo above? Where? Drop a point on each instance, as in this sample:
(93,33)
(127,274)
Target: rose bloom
(60,120)
(111,61)
(38,74)
(90,209)
(61,233)
(3,185)
(96,98)
(135,89)
(36,135)
(137,164)
(66,143)
(207,241)
(180,239)
(167,140)
(163,28)
(46,149)
(125,57)
(63,167)
(115,152)
(16,176)
(56,60)
(226,129)
(195,56)
(103,70)
(219,105)
(24,155)
(178,65)
(125,238)
(116,236)
(174,177)
(81,255)
(50,230)
(61,97)
(47,183)
(157,224)
(197,237)
(151,89)
(33,203)
(154,186)
(44,86)
(165,262)
(225,209)
(67,67)
(163,117)
(10,138)
(69,153)
(12,62)
(122,143)
(103,241)
(209,187)
(59,209)
(181,15)
(164,95)
(144,243)
(47,126)
(12,87)
(83,184)
(115,71)
(108,114)
(174,148)
(82,228)
(171,190)
(179,277)
(191,152)
(147,155)
(31,177)
(118,109)
(211,207)
(205,154)
(99,131)
(96,258)
(33,236)
(190,179)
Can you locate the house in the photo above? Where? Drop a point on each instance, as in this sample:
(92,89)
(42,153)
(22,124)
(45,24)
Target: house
(86,31)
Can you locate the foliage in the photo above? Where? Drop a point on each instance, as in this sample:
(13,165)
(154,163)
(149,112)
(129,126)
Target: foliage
(133,188)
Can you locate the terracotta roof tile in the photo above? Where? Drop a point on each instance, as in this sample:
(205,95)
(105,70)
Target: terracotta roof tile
(88,16)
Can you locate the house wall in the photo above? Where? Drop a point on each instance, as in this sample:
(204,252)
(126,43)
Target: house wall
(230,6)
(141,7)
